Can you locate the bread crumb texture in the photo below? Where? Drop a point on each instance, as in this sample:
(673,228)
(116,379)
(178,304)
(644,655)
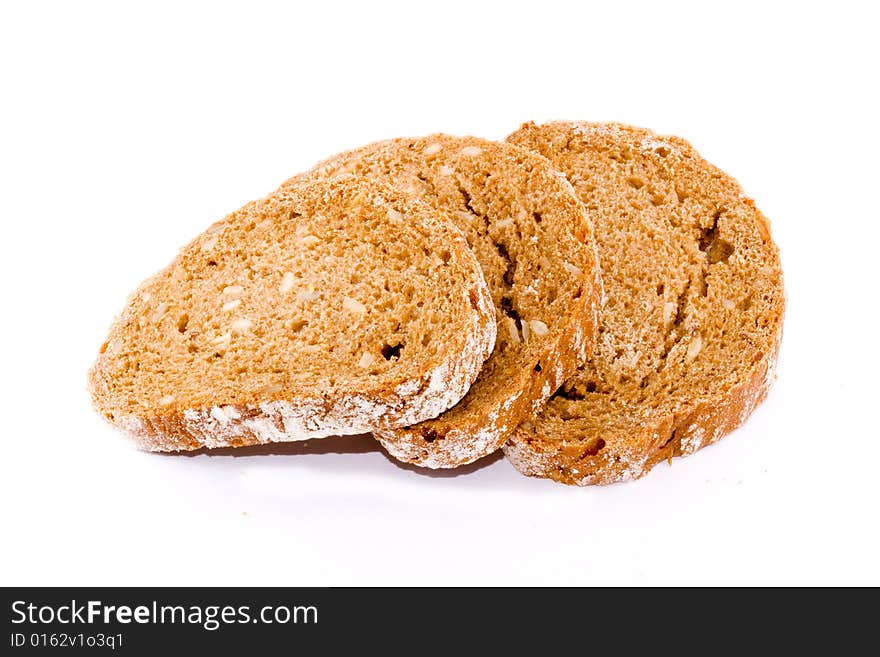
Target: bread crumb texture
(326,308)
(693,314)
(531,235)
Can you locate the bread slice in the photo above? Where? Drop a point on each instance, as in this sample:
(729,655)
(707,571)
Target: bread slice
(691,327)
(326,308)
(531,236)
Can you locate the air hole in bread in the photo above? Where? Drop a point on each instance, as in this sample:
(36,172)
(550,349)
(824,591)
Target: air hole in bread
(212,263)
(633,181)
(719,251)
(430,435)
(510,271)
(467,198)
(468,203)
(537,217)
(681,306)
(508,309)
(389,352)
(593,447)
(538,366)
(569,392)
(182,322)
(661,288)
(715,248)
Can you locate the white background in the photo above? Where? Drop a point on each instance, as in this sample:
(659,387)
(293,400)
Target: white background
(125,131)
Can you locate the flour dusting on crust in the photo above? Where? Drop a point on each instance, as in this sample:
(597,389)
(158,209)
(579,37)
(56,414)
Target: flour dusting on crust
(305,419)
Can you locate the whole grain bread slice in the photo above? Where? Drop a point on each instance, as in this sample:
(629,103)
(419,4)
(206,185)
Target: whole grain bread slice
(532,238)
(691,327)
(326,308)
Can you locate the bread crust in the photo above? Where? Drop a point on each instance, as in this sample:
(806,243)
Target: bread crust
(682,433)
(504,396)
(541,448)
(292,415)
(306,418)
(467,443)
